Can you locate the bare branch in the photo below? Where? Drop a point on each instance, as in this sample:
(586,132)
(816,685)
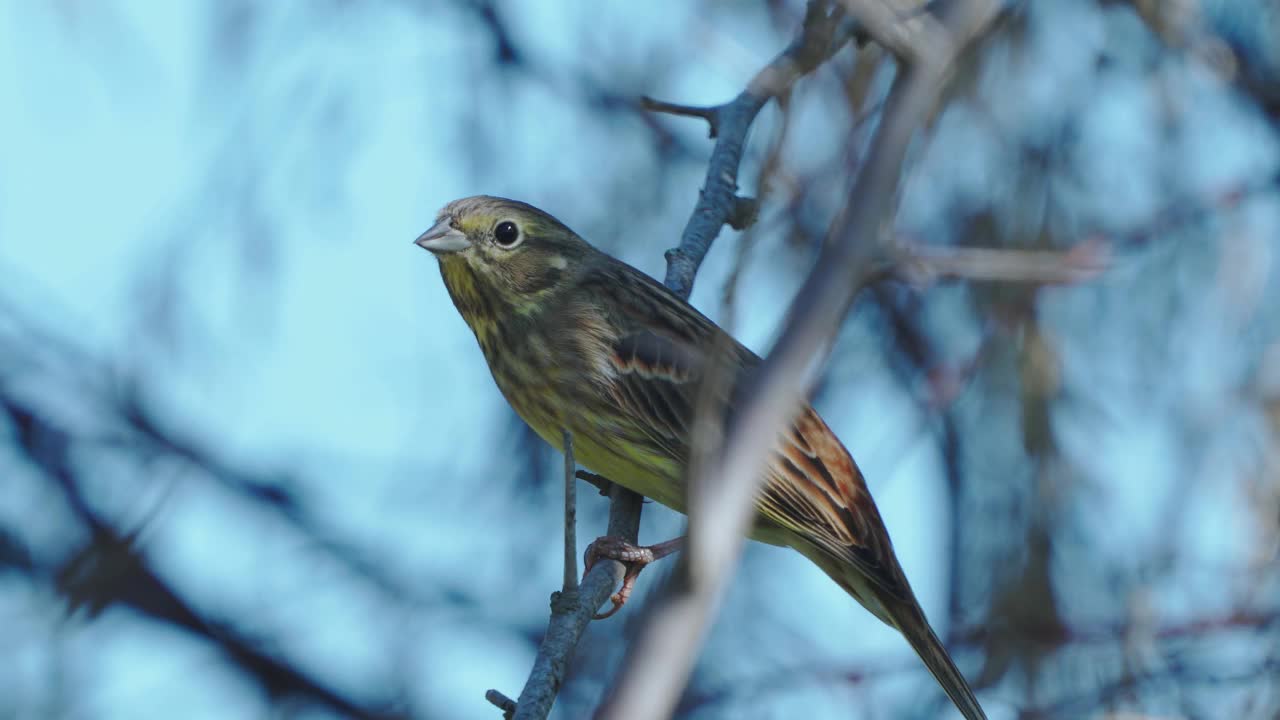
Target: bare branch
(502,702)
(601,483)
(710,114)
(570,614)
(718,204)
(722,490)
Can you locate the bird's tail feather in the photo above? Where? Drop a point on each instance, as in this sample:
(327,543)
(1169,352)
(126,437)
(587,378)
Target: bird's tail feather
(903,613)
(911,622)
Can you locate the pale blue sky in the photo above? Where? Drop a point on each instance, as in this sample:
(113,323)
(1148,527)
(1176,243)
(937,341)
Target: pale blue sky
(239,234)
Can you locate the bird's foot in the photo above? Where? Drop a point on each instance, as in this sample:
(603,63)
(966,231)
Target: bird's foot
(633,557)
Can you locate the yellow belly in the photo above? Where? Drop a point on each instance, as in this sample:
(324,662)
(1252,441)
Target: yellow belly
(654,476)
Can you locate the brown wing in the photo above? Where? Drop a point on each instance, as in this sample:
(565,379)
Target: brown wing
(813,487)
(816,490)
(654,381)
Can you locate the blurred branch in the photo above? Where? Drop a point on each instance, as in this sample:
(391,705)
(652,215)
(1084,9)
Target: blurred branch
(769,169)
(1185,210)
(1177,671)
(268,492)
(1240,50)
(112,570)
(1204,629)
(1193,629)
(923,265)
(141,429)
(918,41)
(821,36)
(913,342)
(722,490)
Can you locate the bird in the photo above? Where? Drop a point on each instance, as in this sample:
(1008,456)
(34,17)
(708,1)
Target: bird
(580,342)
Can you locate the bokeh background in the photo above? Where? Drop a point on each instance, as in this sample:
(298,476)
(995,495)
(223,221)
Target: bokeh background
(252,463)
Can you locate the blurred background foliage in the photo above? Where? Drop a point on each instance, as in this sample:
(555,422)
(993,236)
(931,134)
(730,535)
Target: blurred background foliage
(252,463)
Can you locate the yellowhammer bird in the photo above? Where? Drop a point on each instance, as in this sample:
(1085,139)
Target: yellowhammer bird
(579,341)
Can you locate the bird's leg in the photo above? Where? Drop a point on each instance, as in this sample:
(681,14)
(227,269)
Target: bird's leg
(634,557)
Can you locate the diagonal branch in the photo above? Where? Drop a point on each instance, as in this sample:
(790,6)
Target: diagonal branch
(722,490)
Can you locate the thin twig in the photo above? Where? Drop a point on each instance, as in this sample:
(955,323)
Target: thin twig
(923,265)
(710,114)
(601,483)
(570,518)
(502,702)
(723,489)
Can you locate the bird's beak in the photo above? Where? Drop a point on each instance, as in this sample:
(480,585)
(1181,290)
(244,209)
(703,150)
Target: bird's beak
(443,238)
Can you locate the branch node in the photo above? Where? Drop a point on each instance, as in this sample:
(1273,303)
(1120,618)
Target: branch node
(602,483)
(564,602)
(744,213)
(502,702)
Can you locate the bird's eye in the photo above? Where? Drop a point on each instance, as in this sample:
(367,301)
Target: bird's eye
(506,234)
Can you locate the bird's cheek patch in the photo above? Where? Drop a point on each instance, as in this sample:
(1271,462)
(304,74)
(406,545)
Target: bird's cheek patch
(533,277)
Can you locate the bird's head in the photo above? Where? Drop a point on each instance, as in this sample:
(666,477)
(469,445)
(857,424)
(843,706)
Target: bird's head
(502,256)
